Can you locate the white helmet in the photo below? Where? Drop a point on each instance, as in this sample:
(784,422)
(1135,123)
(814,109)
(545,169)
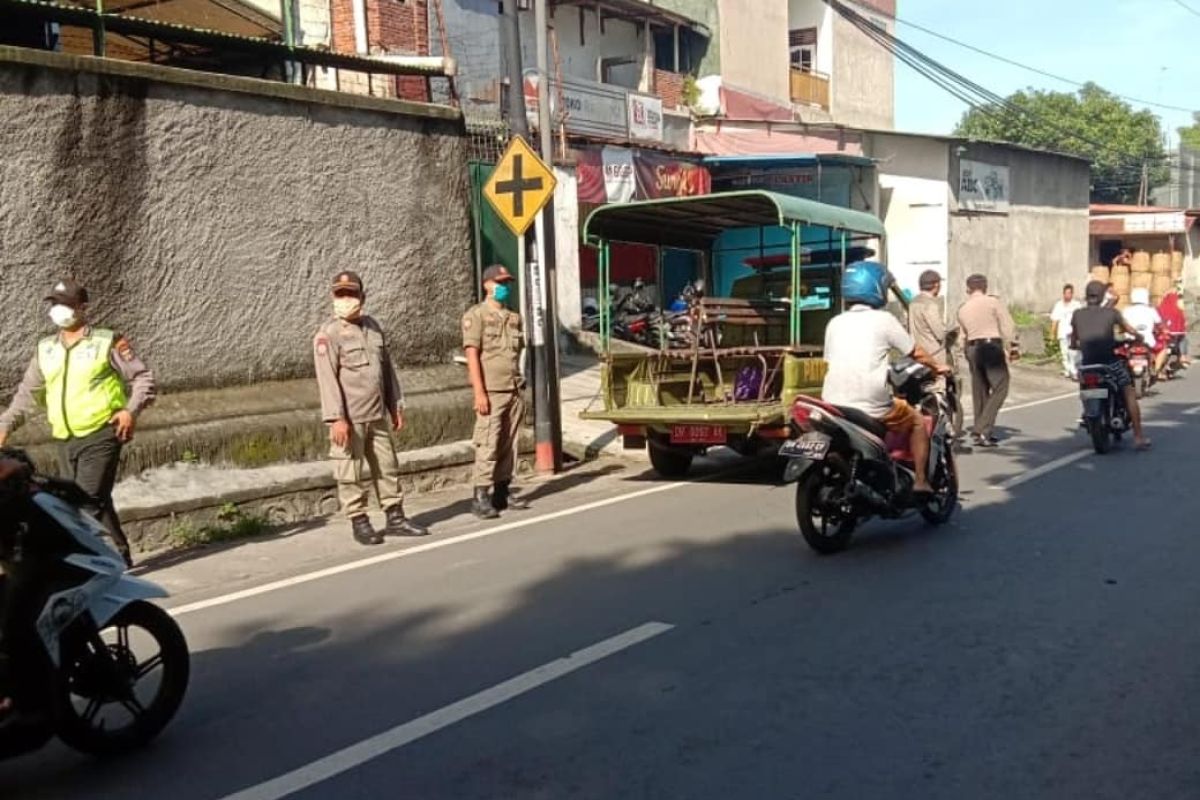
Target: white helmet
(1140,297)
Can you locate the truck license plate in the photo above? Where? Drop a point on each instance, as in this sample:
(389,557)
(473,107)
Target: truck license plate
(1094,394)
(698,434)
(811,445)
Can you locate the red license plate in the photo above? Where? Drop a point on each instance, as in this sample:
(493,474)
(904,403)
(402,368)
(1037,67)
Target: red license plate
(697,434)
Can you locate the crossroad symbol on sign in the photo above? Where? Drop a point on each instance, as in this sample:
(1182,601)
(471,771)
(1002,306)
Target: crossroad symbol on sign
(520,186)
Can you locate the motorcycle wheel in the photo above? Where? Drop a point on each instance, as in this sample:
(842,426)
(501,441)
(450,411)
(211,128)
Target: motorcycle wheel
(88,705)
(825,531)
(944,503)
(1143,385)
(1098,429)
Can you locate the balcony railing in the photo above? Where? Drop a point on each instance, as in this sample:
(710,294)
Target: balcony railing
(810,88)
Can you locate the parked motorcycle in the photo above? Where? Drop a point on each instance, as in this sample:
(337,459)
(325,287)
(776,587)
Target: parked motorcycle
(1105,414)
(848,468)
(1141,367)
(91,661)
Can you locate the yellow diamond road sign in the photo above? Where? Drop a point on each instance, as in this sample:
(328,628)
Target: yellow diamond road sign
(520,186)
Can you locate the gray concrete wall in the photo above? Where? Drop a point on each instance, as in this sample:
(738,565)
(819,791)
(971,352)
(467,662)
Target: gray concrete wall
(207,215)
(1042,243)
(862,89)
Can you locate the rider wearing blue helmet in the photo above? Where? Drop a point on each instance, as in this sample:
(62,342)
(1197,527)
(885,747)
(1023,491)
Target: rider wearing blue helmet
(858,345)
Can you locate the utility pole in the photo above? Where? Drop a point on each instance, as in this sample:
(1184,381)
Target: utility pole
(1143,187)
(548,425)
(537,288)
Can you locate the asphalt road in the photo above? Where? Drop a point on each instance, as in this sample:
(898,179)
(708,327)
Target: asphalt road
(1041,646)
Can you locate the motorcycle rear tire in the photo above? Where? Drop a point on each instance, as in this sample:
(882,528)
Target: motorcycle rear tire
(821,542)
(173,651)
(946,476)
(1101,437)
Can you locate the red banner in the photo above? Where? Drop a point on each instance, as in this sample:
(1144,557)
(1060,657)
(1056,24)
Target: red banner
(618,175)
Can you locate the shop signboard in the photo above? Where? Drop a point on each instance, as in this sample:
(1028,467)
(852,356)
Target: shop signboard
(982,187)
(588,108)
(1169,222)
(621,174)
(645,118)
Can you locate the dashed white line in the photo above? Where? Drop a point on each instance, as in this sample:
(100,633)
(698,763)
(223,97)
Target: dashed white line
(1038,472)
(369,749)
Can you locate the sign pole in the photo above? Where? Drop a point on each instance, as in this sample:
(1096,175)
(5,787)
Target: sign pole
(548,424)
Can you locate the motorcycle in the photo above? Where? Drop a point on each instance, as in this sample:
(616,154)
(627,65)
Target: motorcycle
(90,660)
(1141,367)
(1175,355)
(849,468)
(1105,414)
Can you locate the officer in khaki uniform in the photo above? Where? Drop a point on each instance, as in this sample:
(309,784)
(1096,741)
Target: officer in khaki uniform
(362,403)
(93,387)
(493,339)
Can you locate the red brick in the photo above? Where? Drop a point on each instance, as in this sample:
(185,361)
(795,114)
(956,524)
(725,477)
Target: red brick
(669,87)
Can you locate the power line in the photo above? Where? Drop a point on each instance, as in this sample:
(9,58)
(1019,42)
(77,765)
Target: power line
(1185,6)
(1036,70)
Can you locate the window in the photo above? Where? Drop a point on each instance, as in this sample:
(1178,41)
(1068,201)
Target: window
(803,49)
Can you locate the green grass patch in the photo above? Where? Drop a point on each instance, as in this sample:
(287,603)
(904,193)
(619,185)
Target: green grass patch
(232,524)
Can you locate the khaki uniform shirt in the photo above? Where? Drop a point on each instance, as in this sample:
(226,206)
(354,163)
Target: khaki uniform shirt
(985,317)
(497,334)
(137,377)
(354,372)
(927,327)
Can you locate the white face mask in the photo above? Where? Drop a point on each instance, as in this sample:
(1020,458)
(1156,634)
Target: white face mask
(63,316)
(347,307)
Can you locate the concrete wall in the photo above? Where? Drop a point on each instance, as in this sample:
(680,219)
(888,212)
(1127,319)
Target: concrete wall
(754,47)
(207,214)
(862,88)
(566,248)
(1027,253)
(1042,243)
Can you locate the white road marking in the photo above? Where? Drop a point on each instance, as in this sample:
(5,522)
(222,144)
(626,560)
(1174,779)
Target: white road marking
(1191,412)
(1032,404)
(383,558)
(1038,472)
(381,744)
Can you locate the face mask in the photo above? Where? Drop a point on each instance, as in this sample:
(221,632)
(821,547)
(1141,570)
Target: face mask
(347,307)
(63,316)
(501,293)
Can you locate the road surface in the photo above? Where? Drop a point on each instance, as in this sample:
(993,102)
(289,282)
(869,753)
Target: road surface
(631,638)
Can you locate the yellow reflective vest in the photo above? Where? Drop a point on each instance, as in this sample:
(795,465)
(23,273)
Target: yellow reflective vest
(83,390)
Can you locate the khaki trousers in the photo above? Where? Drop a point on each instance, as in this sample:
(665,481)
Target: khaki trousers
(370,442)
(496,437)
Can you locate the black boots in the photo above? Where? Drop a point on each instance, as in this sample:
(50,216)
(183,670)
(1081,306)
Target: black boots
(481,506)
(503,498)
(363,532)
(400,525)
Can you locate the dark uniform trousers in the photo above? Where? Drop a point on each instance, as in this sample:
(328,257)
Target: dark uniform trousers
(91,462)
(989,382)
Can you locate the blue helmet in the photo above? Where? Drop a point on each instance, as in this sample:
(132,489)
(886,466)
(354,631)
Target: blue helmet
(866,283)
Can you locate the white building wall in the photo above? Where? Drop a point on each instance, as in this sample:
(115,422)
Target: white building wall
(566,249)
(815,14)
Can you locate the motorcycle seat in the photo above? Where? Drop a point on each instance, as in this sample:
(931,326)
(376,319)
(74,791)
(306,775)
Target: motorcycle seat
(862,420)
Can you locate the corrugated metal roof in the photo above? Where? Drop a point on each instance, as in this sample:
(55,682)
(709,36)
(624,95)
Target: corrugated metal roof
(694,222)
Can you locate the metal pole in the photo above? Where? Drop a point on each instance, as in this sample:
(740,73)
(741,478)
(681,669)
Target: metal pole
(547,406)
(510,53)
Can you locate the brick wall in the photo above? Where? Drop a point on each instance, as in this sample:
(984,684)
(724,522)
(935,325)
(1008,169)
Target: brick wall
(669,86)
(393,26)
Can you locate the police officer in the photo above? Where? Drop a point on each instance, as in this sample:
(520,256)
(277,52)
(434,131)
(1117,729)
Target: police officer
(493,340)
(362,403)
(93,387)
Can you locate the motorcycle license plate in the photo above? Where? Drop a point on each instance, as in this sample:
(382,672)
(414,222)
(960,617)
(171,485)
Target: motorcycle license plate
(698,434)
(1139,363)
(813,446)
(1094,394)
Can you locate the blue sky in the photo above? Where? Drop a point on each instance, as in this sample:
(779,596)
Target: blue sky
(1141,48)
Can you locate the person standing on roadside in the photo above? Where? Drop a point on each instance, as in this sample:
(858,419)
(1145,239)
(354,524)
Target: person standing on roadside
(1060,328)
(925,321)
(362,403)
(492,339)
(987,331)
(93,387)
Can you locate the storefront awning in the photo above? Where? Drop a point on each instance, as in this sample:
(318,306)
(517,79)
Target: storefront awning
(693,223)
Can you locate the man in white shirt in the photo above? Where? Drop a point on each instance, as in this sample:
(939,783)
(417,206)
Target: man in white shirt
(1145,319)
(858,347)
(1060,327)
